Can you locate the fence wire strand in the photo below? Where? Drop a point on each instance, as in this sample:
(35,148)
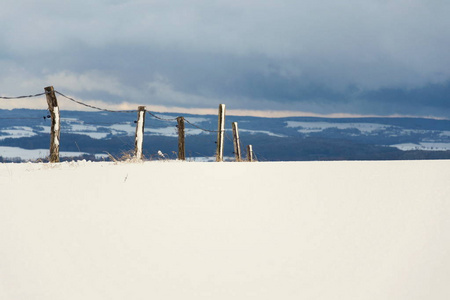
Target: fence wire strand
(21,97)
(95,107)
(196,126)
(160,118)
(174,119)
(23,118)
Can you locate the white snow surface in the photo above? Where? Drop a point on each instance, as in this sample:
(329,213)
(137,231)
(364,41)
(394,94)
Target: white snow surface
(189,230)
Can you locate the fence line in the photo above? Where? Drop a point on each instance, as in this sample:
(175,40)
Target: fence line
(107,110)
(130,111)
(223,131)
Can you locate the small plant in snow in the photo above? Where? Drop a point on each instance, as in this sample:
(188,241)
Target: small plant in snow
(161,154)
(125,156)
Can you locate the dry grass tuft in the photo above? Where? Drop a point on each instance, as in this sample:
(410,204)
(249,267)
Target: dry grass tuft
(125,156)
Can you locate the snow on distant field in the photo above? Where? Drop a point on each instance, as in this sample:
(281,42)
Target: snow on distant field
(127,129)
(194,131)
(187,230)
(423,146)
(171,131)
(82,127)
(269,133)
(88,130)
(197,120)
(310,127)
(15,152)
(166,131)
(16,132)
(75,126)
(44,129)
(33,154)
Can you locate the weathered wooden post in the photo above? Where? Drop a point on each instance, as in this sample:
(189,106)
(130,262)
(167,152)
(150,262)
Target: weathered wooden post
(220,133)
(139,132)
(181,147)
(55,127)
(249,153)
(236,141)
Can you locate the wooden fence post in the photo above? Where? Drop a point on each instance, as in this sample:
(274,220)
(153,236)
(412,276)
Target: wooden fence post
(236,141)
(181,146)
(249,153)
(55,127)
(220,133)
(139,140)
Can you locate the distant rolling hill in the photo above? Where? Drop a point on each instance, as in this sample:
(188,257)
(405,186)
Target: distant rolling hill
(24,135)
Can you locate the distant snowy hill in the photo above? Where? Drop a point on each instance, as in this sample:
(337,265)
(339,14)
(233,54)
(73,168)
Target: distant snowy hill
(24,134)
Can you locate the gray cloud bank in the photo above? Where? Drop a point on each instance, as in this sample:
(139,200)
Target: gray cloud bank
(362,57)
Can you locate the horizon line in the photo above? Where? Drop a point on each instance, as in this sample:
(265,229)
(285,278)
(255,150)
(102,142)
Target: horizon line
(269,113)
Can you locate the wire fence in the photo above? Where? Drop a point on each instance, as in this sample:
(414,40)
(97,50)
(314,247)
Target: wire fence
(131,111)
(152,114)
(105,109)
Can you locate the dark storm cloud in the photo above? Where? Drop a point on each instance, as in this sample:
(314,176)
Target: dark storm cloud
(376,56)
(432,100)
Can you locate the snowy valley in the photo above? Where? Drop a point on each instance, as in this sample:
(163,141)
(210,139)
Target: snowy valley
(24,135)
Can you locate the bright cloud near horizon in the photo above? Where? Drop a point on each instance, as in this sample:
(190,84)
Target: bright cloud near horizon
(374,57)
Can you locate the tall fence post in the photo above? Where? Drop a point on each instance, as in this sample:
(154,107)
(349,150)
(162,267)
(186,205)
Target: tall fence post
(139,132)
(181,146)
(236,141)
(249,153)
(55,127)
(220,133)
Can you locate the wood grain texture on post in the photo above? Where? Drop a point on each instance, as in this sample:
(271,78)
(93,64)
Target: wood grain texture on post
(236,141)
(220,133)
(181,139)
(55,128)
(139,140)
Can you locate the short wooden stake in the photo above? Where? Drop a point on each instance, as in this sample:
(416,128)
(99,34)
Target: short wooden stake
(220,133)
(56,126)
(139,132)
(249,153)
(181,147)
(236,141)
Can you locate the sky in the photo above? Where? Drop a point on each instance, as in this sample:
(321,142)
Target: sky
(348,57)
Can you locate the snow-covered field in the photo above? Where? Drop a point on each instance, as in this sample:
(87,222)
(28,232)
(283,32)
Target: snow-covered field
(174,230)
(309,127)
(35,154)
(424,146)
